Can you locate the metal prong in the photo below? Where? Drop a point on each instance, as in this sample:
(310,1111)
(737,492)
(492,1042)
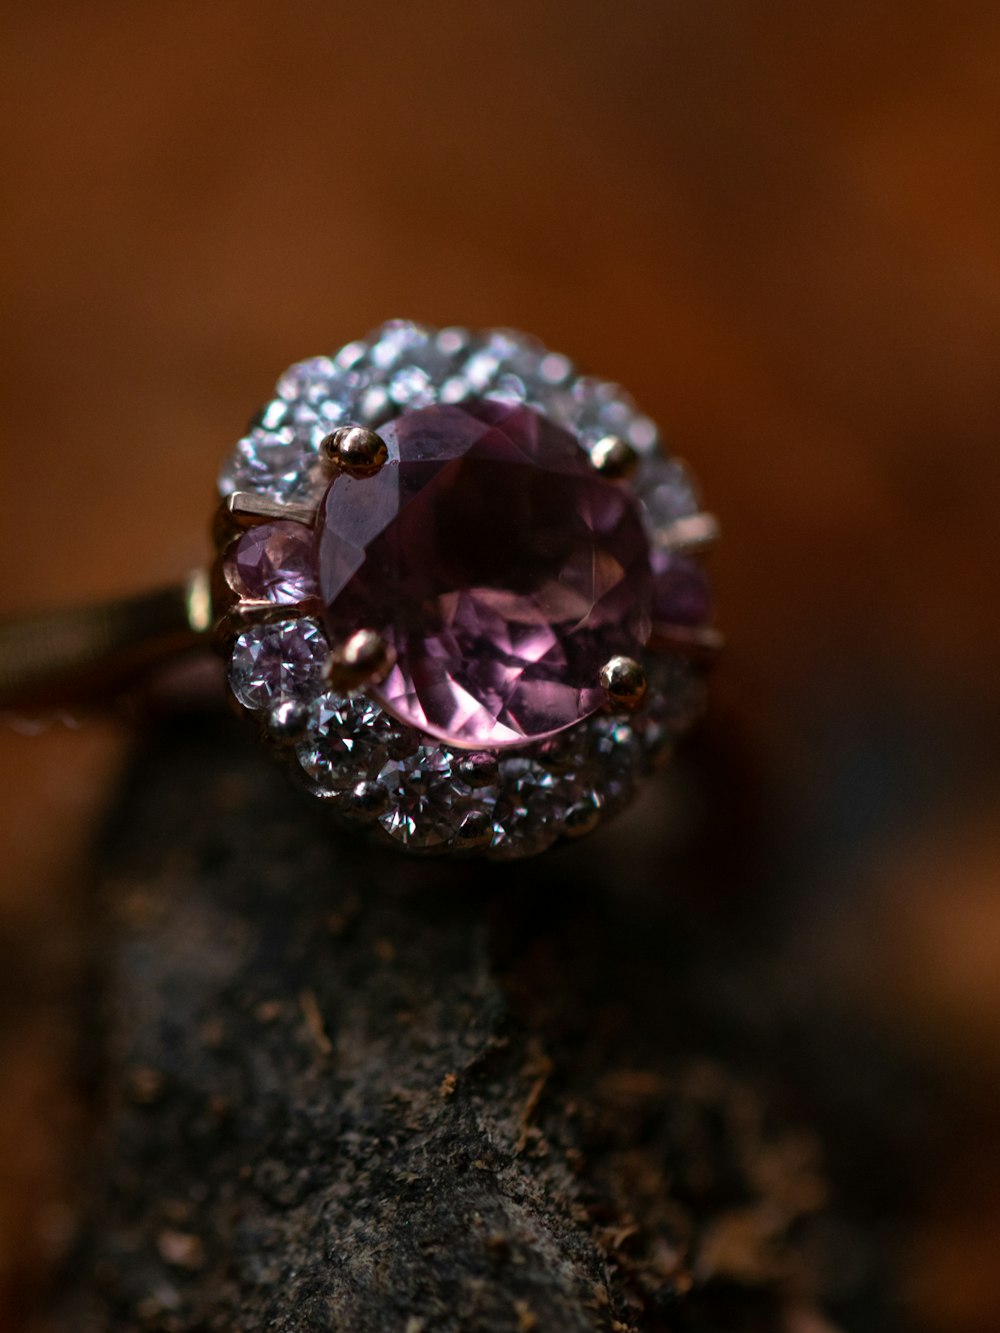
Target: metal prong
(475,831)
(355,451)
(243,614)
(366,802)
(614,457)
(479,769)
(581,819)
(624,682)
(247,509)
(692,533)
(287,721)
(363,659)
(698,643)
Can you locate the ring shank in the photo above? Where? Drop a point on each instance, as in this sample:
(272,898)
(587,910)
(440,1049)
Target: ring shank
(84,654)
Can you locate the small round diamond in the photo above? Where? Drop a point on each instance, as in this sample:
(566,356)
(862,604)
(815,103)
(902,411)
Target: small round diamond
(401,366)
(347,741)
(272,662)
(307,381)
(594,408)
(528,809)
(667,491)
(274,462)
(427,798)
(617,756)
(676,699)
(502,364)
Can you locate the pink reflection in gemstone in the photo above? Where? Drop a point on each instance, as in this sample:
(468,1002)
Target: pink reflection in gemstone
(501,566)
(274,562)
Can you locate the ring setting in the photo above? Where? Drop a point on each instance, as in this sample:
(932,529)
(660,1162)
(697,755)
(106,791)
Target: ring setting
(459,588)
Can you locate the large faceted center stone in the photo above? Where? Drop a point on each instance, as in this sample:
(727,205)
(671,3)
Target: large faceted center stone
(500,566)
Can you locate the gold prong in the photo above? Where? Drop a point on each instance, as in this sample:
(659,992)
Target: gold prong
(243,614)
(614,457)
(581,819)
(363,659)
(700,643)
(479,768)
(692,533)
(355,451)
(287,721)
(624,682)
(475,831)
(365,802)
(247,509)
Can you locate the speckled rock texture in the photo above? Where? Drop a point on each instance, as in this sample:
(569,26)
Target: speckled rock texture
(349,1091)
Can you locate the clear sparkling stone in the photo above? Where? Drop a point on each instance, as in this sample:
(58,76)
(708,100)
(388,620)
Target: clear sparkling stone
(403,365)
(272,416)
(531,803)
(273,662)
(501,356)
(426,798)
(347,741)
(412,387)
(618,760)
(521,836)
(593,408)
(274,462)
(307,380)
(452,342)
(667,491)
(675,700)
(399,341)
(554,368)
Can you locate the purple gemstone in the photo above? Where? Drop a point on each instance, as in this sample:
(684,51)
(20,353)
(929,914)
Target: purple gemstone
(499,564)
(274,562)
(680,590)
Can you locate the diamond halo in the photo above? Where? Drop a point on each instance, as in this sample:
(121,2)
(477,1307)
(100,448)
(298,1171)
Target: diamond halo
(420,792)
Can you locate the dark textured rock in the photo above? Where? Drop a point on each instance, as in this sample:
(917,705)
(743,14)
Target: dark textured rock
(353,1092)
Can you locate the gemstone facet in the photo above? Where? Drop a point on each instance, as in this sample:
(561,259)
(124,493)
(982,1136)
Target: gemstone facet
(274,562)
(501,568)
(491,734)
(274,662)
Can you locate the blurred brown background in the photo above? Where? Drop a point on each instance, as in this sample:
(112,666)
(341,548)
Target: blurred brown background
(776,223)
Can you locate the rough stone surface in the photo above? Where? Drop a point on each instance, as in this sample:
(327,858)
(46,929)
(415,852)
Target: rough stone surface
(348,1092)
(499,565)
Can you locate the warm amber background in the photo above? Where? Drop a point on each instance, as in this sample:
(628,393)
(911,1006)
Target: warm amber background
(777,222)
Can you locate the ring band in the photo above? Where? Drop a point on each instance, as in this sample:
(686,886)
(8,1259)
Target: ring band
(87,653)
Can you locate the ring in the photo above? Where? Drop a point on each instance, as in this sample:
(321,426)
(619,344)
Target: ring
(457,585)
